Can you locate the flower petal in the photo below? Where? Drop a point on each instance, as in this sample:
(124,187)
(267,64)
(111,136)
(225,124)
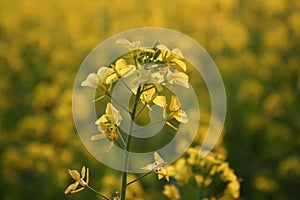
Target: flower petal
(169,124)
(158,159)
(102,119)
(83,172)
(111,78)
(174,104)
(162,47)
(179,78)
(149,167)
(104,72)
(78,190)
(147,96)
(122,68)
(114,113)
(127,44)
(177,52)
(98,137)
(181,116)
(74,174)
(181,64)
(160,101)
(71,187)
(91,81)
(160,176)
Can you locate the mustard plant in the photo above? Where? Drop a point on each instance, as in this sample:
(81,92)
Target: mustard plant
(146,73)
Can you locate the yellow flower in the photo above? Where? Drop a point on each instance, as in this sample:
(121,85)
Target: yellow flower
(173,57)
(207,181)
(149,96)
(104,73)
(176,112)
(91,81)
(78,180)
(234,189)
(127,44)
(108,123)
(153,73)
(171,192)
(211,159)
(181,171)
(160,101)
(178,78)
(193,155)
(159,74)
(120,69)
(199,178)
(158,167)
(224,168)
(99,80)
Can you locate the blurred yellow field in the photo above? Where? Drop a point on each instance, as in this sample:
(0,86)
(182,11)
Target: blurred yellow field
(255,45)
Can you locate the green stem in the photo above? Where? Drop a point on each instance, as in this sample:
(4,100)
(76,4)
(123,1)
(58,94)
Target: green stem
(117,102)
(138,178)
(128,143)
(98,193)
(140,111)
(126,86)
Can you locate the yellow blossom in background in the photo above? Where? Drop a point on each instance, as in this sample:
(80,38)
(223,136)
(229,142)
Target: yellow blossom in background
(255,45)
(264,183)
(233,189)
(171,192)
(181,171)
(199,179)
(210,158)
(202,174)
(193,155)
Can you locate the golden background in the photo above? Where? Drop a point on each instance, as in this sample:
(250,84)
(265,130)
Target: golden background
(254,43)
